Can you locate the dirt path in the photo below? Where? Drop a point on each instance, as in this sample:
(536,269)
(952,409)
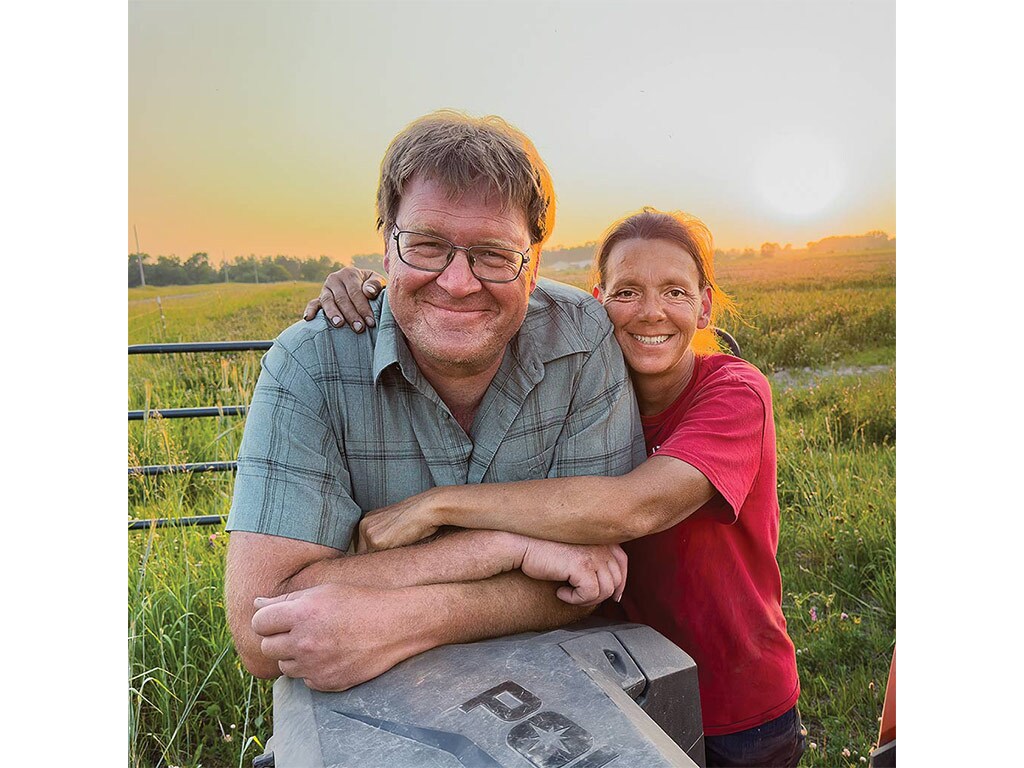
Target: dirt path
(808,376)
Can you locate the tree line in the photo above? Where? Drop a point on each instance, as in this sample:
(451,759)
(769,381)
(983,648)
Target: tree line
(170,270)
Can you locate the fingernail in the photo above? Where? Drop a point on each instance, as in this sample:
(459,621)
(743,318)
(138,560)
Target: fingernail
(357,326)
(370,321)
(370,289)
(259,601)
(618,599)
(336,320)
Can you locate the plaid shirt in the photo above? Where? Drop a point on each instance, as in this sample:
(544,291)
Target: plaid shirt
(342,423)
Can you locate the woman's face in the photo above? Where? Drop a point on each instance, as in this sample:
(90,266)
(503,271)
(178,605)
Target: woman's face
(652,295)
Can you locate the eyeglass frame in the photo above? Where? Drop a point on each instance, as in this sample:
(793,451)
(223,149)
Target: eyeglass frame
(525,255)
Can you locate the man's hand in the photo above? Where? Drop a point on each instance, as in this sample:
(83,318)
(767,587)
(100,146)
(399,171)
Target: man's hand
(593,572)
(344,298)
(397,525)
(336,636)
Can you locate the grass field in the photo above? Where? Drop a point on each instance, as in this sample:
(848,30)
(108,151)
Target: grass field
(817,324)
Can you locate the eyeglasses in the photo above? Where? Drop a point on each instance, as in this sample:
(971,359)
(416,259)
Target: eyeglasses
(433,254)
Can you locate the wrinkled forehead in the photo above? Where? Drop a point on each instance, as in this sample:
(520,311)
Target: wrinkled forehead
(479,189)
(650,258)
(429,198)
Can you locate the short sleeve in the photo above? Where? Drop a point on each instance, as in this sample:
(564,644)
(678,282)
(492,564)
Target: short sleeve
(291,478)
(722,434)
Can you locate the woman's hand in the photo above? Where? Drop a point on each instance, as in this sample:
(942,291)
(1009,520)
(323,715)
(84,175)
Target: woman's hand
(397,525)
(345,298)
(594,572)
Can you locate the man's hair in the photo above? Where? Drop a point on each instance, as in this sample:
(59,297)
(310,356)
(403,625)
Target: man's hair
(460,151)
(690,234)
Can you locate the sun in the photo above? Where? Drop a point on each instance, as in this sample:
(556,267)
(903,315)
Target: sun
(799,174)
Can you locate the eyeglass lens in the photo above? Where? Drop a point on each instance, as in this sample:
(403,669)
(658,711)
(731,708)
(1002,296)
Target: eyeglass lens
(432,254)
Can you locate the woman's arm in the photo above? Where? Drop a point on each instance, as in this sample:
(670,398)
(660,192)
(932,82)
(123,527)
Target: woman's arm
(658,494)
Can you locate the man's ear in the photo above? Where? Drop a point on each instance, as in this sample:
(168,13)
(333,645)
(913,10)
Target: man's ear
(387,255)
(705,308)
(536,269)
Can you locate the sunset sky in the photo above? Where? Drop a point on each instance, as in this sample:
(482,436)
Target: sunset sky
(258,127)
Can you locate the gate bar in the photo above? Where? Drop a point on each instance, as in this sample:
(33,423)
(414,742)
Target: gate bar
(185,413)
(176,522)
(153,470)
(199,346)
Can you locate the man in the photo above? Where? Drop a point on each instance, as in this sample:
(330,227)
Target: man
(474,372)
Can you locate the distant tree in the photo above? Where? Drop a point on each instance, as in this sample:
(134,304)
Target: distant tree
(749,253)
(291,265)
(273,272)
(168,270)
(575,255)
(134,278)
(374,261)
(876,239)
(769,250)
(198,270)
(315,270)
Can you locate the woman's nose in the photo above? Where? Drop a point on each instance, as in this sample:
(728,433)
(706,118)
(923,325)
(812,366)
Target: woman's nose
(651,309)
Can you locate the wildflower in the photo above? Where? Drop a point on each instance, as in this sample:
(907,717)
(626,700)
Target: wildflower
(844,616)
(856,619)
(812,745)
(871,685)
(814,614)
(846,752)
(863,759)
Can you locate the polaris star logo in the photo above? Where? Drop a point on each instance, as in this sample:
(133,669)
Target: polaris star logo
(547,739)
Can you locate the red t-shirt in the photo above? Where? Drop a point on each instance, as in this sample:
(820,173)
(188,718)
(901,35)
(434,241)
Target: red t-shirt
(711,584)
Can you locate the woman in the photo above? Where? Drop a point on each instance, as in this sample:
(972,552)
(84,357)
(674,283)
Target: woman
(699,519)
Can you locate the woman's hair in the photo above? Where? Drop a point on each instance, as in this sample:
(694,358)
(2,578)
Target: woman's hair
(458,151)
(690,234)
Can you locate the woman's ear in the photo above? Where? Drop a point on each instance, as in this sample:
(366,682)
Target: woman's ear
(705,308)
(597,293)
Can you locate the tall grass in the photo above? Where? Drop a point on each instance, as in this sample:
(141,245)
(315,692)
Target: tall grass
(191,702)
(837,552)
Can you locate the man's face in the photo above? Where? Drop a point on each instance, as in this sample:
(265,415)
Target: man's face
(455,324)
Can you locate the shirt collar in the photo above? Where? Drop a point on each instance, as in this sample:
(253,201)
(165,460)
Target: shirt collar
(390,347)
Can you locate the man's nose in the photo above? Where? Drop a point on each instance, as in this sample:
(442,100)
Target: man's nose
(458,279)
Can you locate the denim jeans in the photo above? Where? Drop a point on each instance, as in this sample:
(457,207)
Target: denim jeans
(778,743)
